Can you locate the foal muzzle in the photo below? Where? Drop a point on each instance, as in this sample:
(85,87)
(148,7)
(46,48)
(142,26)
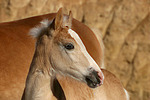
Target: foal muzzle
(94,79)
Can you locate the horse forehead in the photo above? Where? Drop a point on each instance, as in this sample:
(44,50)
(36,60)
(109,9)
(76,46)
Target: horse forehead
(73,34)
(66,34)
(63,32)
(76,38)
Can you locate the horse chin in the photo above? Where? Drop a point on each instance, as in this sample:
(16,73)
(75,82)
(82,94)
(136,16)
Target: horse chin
(92,85)
(92,80)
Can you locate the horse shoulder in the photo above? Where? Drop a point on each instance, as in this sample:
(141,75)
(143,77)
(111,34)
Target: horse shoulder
(74,89)
(112,88)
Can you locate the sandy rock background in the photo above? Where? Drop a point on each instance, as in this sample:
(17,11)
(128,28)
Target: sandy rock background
(125,28)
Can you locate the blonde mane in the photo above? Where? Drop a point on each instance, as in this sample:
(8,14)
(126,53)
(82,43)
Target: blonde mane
(36,31)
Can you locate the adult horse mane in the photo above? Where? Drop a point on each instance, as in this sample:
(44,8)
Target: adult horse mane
(17,50)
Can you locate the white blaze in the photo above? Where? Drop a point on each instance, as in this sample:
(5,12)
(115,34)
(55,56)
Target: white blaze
(76,37)
(127,95)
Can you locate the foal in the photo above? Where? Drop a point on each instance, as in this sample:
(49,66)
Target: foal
(59,50)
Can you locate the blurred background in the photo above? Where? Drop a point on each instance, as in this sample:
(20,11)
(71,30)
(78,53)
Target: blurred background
(124,26)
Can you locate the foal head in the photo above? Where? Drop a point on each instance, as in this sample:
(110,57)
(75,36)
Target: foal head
(66,51)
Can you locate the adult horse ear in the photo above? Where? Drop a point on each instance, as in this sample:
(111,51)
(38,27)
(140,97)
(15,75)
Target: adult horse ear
(67,20)
(59,18)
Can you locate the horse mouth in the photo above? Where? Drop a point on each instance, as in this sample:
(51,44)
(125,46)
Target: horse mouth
(93,80)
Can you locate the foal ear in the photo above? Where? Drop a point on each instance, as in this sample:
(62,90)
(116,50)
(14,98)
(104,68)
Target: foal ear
(67,20)
(63,20)
(59,18)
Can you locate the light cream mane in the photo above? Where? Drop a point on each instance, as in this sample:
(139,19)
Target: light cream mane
(36,31)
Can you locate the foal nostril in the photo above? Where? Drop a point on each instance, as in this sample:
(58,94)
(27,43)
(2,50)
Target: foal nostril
(93,80)
(96,76)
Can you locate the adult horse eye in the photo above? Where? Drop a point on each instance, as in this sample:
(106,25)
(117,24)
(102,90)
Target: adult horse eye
(69,46)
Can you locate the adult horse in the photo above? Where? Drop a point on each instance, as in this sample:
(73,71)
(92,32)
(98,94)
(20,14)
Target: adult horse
(16,54)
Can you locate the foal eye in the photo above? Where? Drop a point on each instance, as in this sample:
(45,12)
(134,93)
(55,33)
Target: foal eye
(69,46)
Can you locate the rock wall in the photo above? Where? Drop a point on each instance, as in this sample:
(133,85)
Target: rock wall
(125,28)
